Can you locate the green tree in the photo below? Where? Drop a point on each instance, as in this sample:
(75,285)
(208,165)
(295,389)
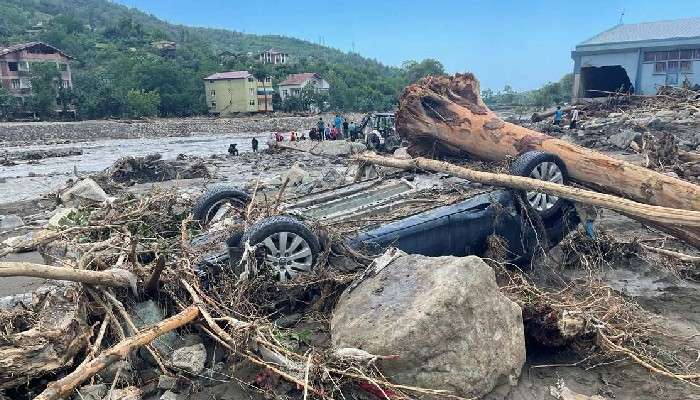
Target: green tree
(142,104)
(46,81)
(414,71)
(6,102)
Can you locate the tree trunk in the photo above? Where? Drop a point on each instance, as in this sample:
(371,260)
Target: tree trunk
(114,277)
(446,115)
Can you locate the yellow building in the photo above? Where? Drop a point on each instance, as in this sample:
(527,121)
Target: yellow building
(234,92)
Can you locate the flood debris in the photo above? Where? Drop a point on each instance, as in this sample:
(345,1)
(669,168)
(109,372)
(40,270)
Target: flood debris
(152,168)
(445,115)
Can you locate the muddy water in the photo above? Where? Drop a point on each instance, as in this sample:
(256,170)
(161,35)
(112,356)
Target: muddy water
(26,181)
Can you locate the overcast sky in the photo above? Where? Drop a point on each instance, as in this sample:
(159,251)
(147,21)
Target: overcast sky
(523,43)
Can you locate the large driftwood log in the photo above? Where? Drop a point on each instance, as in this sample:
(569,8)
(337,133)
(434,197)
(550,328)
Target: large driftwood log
(446,115)
(65,386)
(625,206)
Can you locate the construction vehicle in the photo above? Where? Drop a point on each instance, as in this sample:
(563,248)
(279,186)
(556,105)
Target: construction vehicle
(379,131)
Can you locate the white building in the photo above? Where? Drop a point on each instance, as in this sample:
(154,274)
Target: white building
(294,83)
(273,56)
(638,57)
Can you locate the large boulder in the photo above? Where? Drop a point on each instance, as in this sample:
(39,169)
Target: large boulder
(444,318)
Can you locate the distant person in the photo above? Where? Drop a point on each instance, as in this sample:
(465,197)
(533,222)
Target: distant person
(232,150)
(254,144)
(293,137)
(321,127)
(558,115)
(313,134)
(338,122)
(352,128)
(574,119)
(302,137)
(345,128)
(327,133)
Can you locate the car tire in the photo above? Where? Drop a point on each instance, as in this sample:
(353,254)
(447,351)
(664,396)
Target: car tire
(209,203)
(286,260)
(544,166)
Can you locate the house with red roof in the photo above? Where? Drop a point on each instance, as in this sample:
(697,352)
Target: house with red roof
(16,66)
(294,83)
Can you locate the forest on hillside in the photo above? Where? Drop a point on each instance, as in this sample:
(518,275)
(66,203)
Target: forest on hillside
(119,73)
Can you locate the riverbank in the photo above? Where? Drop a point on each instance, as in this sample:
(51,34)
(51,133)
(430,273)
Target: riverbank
(23,133)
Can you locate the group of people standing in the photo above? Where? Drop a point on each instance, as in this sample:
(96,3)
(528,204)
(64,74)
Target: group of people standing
(338,128)
(559,117)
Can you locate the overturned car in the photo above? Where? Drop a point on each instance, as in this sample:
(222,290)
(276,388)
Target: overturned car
(523,220)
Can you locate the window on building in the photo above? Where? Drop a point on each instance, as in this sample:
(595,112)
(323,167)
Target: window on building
(212,93)
(12,66)
(285,93)
(672,66)
(66,84)
(213,104)
(660,67)
(661,56)
(14,84)
(674,55)
(251,91)
(686,54)
(23,65)
(63,67)
(252,102)
(649,56)
(696,54)
(268,79)
(251,79)
(686,66)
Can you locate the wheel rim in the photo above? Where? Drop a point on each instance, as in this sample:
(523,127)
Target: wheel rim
(546,171)
(287,255)
(216,207)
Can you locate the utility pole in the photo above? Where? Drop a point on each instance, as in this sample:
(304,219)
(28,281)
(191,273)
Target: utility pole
(622,15)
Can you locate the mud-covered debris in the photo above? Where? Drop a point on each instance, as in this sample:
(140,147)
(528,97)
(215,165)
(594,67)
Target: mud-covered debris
(9,222)
(152,168)
(86,190)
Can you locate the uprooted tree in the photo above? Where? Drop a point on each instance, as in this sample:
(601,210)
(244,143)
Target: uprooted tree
(445,115)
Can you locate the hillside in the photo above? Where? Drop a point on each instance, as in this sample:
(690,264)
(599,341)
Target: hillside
(116,63)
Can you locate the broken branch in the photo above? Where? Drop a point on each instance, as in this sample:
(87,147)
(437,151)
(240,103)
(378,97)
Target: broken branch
(114,277)
(647,212)
(65,386)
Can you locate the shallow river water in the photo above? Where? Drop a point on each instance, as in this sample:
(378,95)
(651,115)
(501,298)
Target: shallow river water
(26,181)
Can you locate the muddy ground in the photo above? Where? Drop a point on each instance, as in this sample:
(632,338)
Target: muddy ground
(25,187)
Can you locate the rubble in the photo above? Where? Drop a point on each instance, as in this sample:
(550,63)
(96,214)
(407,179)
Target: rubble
(9,222)
(84,190)
(443,317)
(152,168)
(190,358)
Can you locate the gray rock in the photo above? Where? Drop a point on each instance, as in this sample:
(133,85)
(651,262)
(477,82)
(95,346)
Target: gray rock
(86,190)
(167,382)
(190,359)
(168,395)
(127,393)
(623,139)
(444,317)
(148,313)
(8,222)
(91,392)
